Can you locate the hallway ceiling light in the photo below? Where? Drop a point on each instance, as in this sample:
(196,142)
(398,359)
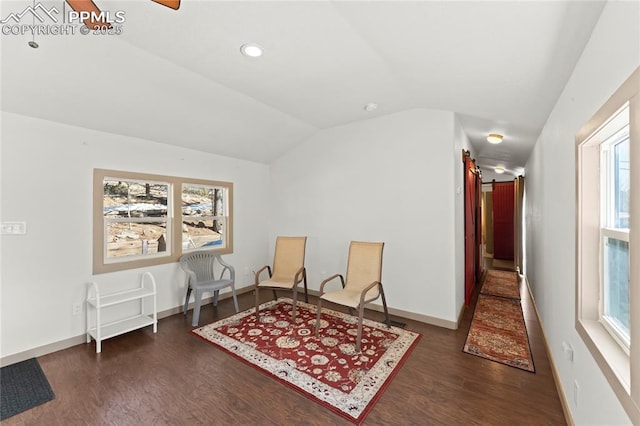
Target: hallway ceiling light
(494,138)
(251,50)
(370,107)
(499,170)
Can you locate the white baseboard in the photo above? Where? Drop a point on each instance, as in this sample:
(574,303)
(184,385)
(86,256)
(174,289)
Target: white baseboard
(556,376)
(452,325)
(82,339)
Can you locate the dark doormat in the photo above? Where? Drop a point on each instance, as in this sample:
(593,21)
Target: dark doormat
(22,386)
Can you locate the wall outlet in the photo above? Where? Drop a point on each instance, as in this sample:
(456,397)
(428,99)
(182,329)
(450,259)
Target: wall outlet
(76,308)
(567,349)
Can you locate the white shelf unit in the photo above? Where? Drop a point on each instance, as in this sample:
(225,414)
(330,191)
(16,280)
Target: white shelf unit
(96,302)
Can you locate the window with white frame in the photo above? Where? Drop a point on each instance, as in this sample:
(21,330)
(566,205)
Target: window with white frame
(614,227)
(607,251)
(204,216)
(142,219)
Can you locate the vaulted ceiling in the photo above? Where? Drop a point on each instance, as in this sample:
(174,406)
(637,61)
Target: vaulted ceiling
(177,76)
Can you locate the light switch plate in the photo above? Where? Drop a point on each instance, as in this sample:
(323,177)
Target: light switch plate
(14,228)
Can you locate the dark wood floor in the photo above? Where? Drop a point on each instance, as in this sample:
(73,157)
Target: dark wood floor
(174,378)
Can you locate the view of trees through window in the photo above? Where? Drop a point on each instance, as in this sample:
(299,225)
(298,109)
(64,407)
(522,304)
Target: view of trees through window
(136,216)
(203,220)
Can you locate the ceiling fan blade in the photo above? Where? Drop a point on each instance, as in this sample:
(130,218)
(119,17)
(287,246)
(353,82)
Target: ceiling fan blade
(173,4)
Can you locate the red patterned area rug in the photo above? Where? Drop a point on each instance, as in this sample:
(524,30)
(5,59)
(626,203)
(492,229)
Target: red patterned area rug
(326,368)
(501,283)
(498,333)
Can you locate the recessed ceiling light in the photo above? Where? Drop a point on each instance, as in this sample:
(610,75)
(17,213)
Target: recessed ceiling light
(370,107)
(251,50)
(494,138)
(499,170)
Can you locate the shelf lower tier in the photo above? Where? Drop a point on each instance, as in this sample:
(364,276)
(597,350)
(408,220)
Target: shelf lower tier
(117,328)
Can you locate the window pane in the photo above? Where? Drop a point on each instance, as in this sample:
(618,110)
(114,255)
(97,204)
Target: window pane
(203,216)
(202,233)
(616,284)
(133,199)
(202,201)
(621,184)
(135,238)
(127,202)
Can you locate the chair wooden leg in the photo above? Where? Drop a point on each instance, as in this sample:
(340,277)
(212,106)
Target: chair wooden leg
(275,296)
(306,292)
(359,338)
(318,317)
(384,305)
(216,294)
(257,303)
(295,303)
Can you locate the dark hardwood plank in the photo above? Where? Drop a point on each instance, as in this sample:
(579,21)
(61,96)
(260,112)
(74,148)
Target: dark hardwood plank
(173,378)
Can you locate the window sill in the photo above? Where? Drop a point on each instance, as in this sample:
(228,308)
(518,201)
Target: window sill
(613,362)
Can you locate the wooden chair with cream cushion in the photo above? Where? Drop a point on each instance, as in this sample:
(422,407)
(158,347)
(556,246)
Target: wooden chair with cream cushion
(363,283)
(288,271)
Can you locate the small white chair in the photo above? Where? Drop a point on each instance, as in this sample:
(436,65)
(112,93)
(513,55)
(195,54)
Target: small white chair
(200,269)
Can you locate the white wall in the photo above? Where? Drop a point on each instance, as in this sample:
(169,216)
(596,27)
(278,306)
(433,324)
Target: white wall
(47,172)
(612,53)
(385,179)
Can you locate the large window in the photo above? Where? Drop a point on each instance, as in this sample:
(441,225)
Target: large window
(614,226)
(142,220)
(608,241)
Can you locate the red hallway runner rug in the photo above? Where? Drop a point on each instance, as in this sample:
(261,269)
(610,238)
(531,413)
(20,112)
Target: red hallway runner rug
(501,283)
(498,333)
(326,368)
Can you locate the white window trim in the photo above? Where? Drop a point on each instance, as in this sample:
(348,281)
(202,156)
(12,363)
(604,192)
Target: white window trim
(174,215)
(621,370)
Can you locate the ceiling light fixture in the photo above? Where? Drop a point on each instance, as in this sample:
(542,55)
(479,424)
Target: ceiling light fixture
(499,170)
(33,43)
(370,107)
(494,138)
(251,50)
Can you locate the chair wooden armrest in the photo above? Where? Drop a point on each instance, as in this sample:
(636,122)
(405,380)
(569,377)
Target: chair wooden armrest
(299,275)
(332,277)
(259,271)
(366,290)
